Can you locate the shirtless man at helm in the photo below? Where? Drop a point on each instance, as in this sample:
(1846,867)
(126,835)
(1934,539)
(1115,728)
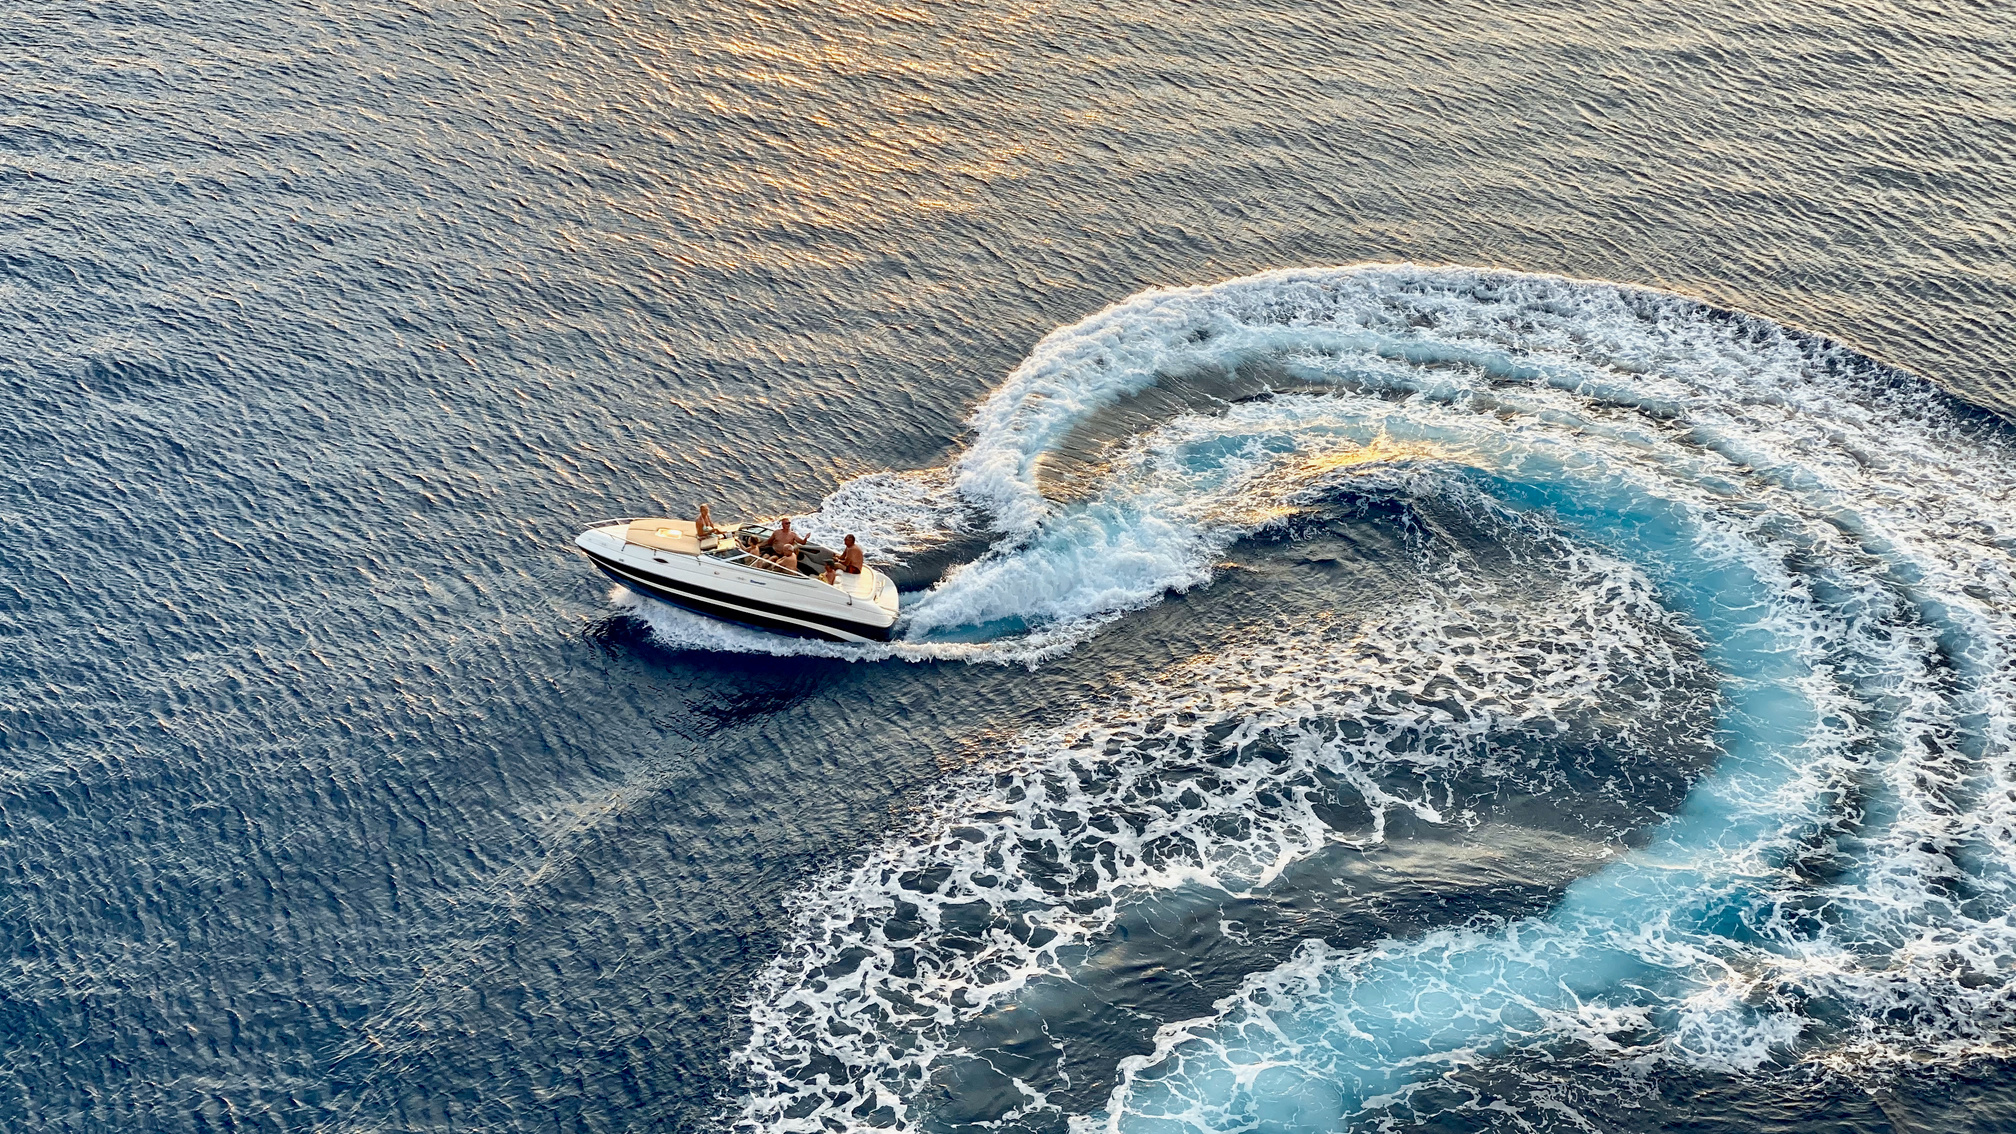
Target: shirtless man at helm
(783,540)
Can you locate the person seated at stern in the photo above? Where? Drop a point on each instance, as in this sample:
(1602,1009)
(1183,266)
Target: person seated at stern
(851,559)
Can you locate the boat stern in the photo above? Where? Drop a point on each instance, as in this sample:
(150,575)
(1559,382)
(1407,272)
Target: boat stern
(884,595)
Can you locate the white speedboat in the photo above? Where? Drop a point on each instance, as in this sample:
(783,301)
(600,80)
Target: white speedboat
(713,574)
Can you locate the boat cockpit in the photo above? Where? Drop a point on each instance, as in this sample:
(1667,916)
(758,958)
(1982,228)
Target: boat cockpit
(741,546)
(738,545)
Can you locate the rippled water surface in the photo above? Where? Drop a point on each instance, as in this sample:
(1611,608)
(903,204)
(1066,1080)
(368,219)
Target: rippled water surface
(1565,686)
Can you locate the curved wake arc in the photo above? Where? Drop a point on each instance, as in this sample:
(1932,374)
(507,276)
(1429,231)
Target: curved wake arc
(1670,499)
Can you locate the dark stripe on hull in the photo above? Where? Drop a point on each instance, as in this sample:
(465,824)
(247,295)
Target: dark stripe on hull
(702,603)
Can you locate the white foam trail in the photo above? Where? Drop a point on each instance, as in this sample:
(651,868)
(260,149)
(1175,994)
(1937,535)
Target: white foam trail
(890,514)
(1163,516)
(1839,891)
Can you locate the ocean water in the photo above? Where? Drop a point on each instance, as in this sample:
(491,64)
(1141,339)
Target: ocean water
(1460,567)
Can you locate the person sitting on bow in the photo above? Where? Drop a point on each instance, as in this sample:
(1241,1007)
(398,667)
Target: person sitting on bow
(704,526)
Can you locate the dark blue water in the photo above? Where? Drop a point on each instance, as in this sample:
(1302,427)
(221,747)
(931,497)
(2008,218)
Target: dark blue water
(336,793)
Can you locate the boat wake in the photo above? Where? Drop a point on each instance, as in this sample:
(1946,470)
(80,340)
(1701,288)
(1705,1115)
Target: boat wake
(1698,736)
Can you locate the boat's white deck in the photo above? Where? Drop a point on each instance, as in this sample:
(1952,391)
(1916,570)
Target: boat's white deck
(664,535)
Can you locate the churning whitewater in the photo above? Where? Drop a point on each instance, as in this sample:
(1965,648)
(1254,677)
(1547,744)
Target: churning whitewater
(1700,669)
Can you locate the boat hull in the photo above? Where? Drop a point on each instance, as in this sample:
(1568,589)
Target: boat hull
(739,608)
